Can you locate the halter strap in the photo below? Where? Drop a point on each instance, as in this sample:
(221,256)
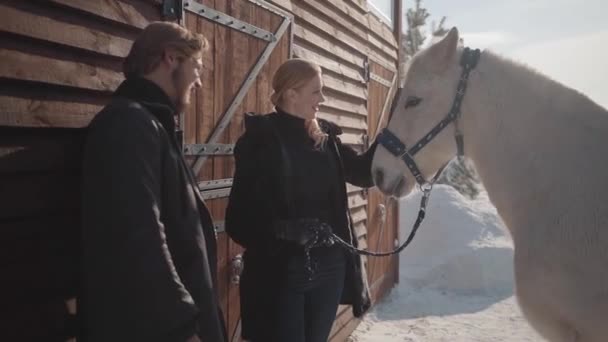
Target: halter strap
(396,147)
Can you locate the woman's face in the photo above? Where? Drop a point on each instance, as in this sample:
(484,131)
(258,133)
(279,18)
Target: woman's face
(305,100)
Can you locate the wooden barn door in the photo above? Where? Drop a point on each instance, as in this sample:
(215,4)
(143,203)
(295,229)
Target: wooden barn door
(248,41)
(382,228)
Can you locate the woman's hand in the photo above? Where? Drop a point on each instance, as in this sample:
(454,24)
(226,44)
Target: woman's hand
(194,338)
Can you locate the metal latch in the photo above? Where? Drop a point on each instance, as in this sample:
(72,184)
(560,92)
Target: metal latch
(236,267)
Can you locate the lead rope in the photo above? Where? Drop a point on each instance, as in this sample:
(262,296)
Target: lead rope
(322,236)
(426,192)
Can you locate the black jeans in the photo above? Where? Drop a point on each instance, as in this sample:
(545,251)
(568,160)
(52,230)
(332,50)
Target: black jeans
(307,306)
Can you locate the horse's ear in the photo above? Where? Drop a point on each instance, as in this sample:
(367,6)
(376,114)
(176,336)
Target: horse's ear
(440,53)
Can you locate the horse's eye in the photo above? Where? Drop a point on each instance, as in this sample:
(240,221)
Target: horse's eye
(412,101)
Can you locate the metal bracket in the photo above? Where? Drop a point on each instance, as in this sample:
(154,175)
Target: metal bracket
(228,21)
(215,184)
(381,80)
(219,226)
(217,188)
(172,10)
(236,101)
(215,193)
(208,149)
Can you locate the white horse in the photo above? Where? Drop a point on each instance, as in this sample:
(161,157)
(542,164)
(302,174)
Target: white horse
(540,151)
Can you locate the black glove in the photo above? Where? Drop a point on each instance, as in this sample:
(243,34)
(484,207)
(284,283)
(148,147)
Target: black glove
(303,231)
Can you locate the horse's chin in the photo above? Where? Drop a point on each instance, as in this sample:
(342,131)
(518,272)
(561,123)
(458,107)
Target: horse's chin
(397,188)
(404,188)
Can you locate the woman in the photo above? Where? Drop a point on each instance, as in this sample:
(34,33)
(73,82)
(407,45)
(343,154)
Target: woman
(290,178)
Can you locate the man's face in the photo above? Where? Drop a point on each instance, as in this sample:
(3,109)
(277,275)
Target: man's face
(186,76)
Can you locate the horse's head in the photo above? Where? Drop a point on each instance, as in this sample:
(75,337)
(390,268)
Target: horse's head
(426,98)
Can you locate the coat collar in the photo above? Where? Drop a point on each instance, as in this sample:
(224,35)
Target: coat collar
(152,97)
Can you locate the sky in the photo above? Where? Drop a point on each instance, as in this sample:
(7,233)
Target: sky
(563,39)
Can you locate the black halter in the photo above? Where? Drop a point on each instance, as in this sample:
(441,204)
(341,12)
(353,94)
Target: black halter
(397,148)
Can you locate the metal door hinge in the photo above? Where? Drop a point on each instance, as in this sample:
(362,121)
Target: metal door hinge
(366,70)
(172,10)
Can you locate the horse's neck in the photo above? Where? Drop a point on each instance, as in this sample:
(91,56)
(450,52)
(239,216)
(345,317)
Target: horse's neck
(525,132)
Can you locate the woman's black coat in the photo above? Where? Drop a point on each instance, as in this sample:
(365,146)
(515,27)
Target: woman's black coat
(258,199)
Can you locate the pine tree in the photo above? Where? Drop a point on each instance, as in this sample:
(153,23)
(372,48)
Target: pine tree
(414,37)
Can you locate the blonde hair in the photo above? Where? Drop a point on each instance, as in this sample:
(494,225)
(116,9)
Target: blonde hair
(147,50)
(293,74)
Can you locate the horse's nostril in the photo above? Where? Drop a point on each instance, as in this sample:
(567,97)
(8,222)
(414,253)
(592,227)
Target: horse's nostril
(378,176)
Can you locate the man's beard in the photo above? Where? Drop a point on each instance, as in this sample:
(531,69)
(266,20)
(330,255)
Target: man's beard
(182,90)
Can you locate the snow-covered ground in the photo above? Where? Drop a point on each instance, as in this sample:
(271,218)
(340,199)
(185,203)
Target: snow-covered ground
(456,278)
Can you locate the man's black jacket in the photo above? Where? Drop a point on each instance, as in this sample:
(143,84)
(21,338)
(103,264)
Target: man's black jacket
(149,248)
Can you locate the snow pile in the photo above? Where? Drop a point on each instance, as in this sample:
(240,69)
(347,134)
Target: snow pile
(462,245)
(456,277)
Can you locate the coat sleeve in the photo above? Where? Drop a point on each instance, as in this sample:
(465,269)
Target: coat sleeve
(249,212)
(357,167)
(134,291)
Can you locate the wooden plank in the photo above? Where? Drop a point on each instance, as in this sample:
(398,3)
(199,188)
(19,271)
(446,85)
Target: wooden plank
(275,60)
(381,49)
(25,112)
(208,104)
(33,313)
(222,91)
(329,32)
(361,5)
(352,188)
(356,200)
(381,71)
(346,330)
(380,29)
(24,66)
(343,317)
(362,243)
(359,215)
(337,17)
(390,64)
(284,4)
(341,103)
(53,237)
(34,150)
(240,66)
(357,17)
(234,307)
(360,230)
(264,79)
(343,119)
(223,273)
(22,22)
(304,36)
(352,138)
(35,194)
(190,113)
(382,286)
(133,13)
(343,87)
(330,64)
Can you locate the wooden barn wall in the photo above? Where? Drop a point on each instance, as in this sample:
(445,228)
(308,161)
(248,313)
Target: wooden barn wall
(61,59)
(59,62)
(343,36)
(231,56)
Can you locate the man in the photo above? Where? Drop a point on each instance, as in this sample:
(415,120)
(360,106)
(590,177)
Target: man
(149,248)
